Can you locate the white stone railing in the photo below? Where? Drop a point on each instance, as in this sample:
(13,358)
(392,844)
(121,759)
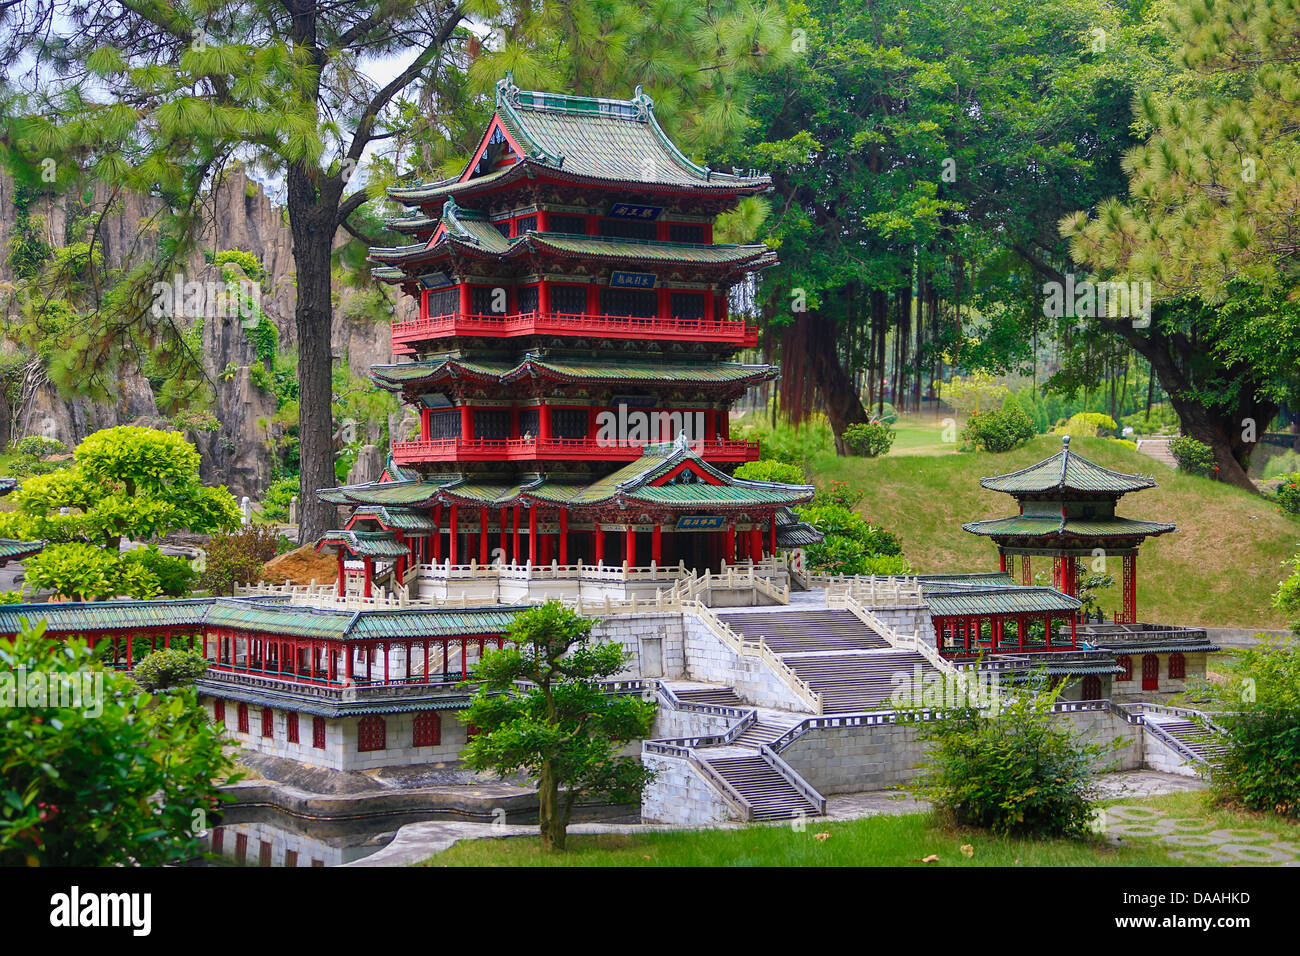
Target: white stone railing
(759,649)
(847,602)
(870,589)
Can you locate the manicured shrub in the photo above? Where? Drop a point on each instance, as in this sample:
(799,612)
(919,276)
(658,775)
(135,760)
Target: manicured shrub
(1017,770)
(1162,418)
(169,668)
(237,558)
(778,471)
(1087,425)
(1288,494)
(275,502)
(174,574)
(852,545)
(869,439)
(1193,456)
(39,446)
(87,572)
(999,431)
(838,493)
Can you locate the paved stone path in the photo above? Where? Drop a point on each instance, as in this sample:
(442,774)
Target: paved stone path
(416,842)
(1194,840)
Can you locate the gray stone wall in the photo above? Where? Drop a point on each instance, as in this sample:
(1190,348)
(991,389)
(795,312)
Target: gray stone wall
(680,795)
(1195,661)
(709,659)
(671,723)
(653,640)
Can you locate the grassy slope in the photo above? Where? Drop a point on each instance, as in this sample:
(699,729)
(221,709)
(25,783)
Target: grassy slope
(875,841)
(1219,569)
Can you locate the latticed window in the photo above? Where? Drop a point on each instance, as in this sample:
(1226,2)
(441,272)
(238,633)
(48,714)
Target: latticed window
(428,729)
(242,715)
(444,301)
(528,419)
(503,227)
(1177,666)
(318,733)
(638,302)
(626,228)
(268,722)
(444,423)
(688,305)
(569,422)
(489,300)
(685,232)
(1126,667)
(526,224)
(291,727)
(573,225)
(526,299)
(569,299)
(372,732)
(219,712)
(491,423)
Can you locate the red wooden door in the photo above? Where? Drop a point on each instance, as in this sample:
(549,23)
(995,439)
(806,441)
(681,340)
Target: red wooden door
(1150,672)
(1091,687)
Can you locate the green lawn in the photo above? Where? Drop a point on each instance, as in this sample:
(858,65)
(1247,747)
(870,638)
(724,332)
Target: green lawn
(875,841)
(1219,569)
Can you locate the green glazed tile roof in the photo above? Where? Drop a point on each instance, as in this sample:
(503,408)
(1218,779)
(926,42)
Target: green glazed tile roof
(491,494)
(1029,526)
(718,496)
(412,493)
(1000,600)
(358,625)
(950,582)
(395,377)
(1066,471)
(799,535)
(89,616)
(11,550)
(588,138)
(365,544)
(396,519)
(7,485)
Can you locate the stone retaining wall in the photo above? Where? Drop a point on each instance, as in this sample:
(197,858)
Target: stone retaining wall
(711,660)
(680,795)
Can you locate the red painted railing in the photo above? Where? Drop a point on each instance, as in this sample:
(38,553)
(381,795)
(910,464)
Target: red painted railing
(567,449)
(731,331)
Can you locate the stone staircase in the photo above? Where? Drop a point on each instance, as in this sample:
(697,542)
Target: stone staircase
(771,796)
(845,661)
(1199,741)
(721,696)
(1157,448)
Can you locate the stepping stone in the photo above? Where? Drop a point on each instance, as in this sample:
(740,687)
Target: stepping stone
(1134,813)
(1253,854)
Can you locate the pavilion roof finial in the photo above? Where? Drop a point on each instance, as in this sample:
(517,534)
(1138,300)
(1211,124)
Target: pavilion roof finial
(1065,441)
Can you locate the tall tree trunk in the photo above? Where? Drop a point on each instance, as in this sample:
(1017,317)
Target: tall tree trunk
(550,817)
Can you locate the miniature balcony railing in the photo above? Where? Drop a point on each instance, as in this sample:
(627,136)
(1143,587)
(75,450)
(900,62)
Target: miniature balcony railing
(553,449)
(730,331)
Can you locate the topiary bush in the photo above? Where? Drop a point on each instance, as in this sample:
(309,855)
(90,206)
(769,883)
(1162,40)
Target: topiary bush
(868,439)
(1288,494)
(1193,456)
(1018,770)
(1087,425)
(777,471)
(174,574)
(999,431)
(169,668)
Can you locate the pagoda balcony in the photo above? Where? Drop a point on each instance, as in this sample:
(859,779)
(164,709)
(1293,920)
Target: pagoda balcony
(733,332)
(553,449)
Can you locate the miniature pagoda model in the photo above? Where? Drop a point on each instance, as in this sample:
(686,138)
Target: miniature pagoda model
(1067,512)
(572,364)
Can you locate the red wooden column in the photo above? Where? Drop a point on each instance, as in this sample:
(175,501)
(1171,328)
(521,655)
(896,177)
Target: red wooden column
(543,423)
(514,552)
(1026,572)
(466,423)
(593,298)
(657,545)
(724,425)
(729,543)
(1047,632)
(400,570)
(1022,629)
(338,587)
(756,543)
(564,536)
(437,533)
(771,535)
(1129,588)
(1002,561)
(466,299)
(532,535)
(544,297)
(451,534)
(504,521)
(630,559)
(600,543)
(482,536)
(369,574)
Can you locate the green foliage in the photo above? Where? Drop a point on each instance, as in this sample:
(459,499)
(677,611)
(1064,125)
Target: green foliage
(977,392)
(868,438)
(11,597)
(1288,494)
(792,444)
(1193,456)
(561,728)
(1018,770)
(87,572)
(173,573)
(1287,596)
(38,446)
(169,668)
(125,779)
(1261,715)
(999,431)
(244,262)
(1089,585)
(852,545)
(1162,418)
(237,558)
(275,502)
(1282,465)
(839,493)
(775,471)
(1086,425)
(127,482)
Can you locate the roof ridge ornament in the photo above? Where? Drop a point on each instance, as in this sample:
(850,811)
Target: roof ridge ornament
(506,92)
(645,106)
